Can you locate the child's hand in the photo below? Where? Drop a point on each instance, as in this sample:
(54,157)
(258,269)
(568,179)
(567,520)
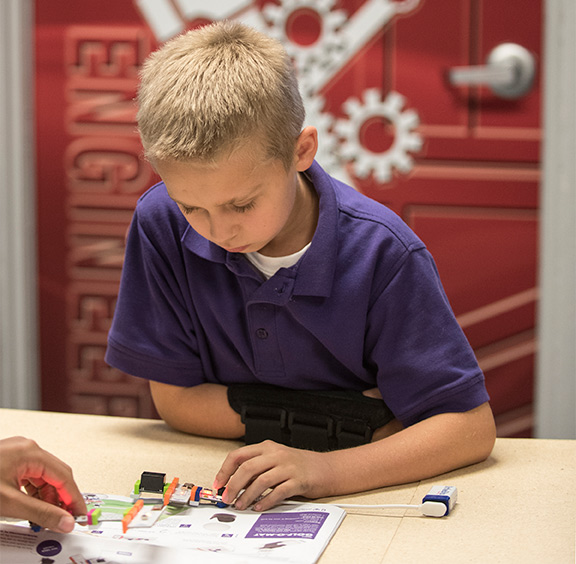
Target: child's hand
(52,492)
(271,466)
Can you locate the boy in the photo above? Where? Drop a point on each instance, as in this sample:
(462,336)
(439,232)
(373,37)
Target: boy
(249,264)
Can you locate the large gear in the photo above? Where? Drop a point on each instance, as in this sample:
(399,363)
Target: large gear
(307,57)
(406,140)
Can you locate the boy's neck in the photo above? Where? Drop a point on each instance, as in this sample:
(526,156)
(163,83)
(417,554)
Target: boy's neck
(302,223)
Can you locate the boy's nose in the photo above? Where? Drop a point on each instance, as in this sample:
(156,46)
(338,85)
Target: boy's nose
(222,232)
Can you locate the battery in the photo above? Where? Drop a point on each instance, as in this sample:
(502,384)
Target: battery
(447,495)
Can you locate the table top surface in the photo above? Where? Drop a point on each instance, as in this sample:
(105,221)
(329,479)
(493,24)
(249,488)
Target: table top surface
(517,506)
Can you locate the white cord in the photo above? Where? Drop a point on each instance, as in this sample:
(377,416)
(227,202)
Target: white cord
(360,505)
(428,508)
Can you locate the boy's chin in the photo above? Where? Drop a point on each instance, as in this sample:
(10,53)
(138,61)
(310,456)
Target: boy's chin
(243,249)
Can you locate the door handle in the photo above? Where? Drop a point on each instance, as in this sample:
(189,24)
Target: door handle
(509,72)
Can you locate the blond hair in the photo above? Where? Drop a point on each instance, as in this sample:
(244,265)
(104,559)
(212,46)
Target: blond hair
(206,91)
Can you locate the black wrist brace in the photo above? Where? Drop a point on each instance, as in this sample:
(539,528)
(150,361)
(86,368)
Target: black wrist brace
(311,420)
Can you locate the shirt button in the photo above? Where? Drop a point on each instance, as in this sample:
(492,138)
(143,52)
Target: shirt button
(262,333)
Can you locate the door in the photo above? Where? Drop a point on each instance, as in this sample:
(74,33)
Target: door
(459,163)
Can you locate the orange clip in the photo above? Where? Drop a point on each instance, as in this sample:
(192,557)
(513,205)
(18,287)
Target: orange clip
(170,490)
(131,513)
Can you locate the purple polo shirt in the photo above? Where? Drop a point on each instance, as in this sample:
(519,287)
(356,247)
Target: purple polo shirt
(364,307)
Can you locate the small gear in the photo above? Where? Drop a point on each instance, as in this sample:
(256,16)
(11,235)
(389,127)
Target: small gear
(307,57)
(406,140)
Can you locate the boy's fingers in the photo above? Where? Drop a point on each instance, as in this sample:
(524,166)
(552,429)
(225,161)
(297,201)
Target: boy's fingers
(233,461)
(267,479)
(248,468)
(275,497)
(247,479)
(229,466)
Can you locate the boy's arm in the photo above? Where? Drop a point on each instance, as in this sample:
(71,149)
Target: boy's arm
(205,410)
(436,445)
(200,410)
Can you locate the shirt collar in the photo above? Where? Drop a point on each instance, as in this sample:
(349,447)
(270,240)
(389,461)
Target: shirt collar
(318,265)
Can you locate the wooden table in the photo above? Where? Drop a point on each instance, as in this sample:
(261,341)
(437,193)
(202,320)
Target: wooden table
(519,506)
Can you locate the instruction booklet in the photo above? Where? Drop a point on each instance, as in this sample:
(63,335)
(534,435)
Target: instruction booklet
(288,533)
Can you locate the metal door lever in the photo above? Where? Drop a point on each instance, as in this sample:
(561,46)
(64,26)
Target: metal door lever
(509,72)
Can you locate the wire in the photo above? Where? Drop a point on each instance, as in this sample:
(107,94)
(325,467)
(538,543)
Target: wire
(361,505)
(428,508)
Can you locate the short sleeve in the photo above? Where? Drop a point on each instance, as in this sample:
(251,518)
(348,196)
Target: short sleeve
(424,363)
(152,334)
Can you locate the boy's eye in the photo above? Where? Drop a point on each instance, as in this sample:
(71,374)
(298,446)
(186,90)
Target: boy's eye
(186,210)
(244,208)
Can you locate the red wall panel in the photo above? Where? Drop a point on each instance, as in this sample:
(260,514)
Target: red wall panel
(464,174)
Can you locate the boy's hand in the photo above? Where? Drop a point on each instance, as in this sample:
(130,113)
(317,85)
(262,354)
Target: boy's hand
(52,492)
(265,466)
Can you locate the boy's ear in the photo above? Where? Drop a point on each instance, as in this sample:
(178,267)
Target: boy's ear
(306,148)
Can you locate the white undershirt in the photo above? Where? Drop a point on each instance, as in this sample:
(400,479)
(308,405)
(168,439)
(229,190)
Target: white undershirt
(268,266)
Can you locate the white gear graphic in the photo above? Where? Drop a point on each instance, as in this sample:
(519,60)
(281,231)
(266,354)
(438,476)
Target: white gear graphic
(406,140)
(406,6)
(308,57)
